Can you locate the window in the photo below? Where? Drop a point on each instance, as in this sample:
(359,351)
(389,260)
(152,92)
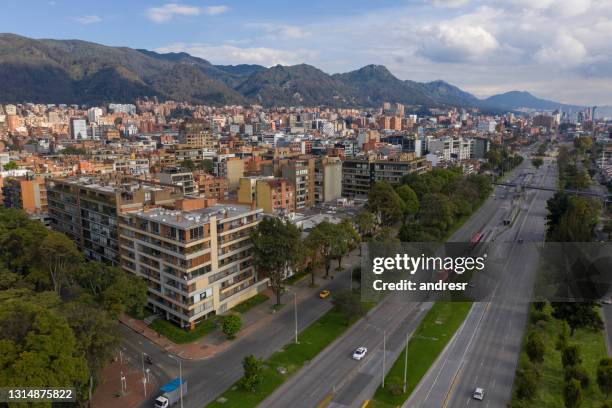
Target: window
(197,233)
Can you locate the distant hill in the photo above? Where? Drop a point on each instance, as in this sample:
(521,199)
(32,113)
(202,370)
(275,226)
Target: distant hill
(74,71)
(522,100)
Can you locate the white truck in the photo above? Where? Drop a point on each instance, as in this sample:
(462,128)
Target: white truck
(171,393)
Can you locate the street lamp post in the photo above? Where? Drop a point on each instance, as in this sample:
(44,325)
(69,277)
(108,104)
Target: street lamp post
(180,376)
(142,354)
(384,357)
(295,316)
(406,363)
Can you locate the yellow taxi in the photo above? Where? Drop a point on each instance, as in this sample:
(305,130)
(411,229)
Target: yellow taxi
(324,294)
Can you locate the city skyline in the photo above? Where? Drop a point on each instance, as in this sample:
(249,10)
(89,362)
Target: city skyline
(554,49)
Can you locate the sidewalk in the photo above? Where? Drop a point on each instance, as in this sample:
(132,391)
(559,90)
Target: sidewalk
(108,393)
(252,320)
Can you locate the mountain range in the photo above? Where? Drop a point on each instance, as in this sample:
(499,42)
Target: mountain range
(74,71)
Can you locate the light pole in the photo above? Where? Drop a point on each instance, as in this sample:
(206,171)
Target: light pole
(295,325)
(384,357)
(142,354)
(406,363)
(295,316)
(180,376)
(144,375)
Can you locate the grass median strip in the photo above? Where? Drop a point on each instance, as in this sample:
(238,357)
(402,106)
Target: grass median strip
(282,364)
(428,341)
(550,380)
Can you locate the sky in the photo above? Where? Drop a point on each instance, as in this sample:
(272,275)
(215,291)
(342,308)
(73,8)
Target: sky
(556,49)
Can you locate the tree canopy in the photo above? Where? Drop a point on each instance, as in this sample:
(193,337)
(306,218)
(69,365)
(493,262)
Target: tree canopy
(57,311)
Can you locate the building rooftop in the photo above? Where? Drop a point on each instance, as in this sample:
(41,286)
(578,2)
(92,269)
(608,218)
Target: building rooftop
(189,219)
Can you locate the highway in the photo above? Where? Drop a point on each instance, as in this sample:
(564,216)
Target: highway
(485,351)
(334,377)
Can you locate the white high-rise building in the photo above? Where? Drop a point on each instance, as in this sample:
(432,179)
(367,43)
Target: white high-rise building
(93,114)
(78,129)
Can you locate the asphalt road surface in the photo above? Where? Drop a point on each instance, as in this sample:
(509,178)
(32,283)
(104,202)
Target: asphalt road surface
(348,383)
(211,377)
(485,351)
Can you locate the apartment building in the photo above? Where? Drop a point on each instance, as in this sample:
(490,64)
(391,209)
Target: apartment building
(272,194)
(210,186)
(301,173)
(131,166)
(197,133)
(328,179)
(358,175)
(86,210)
(196,260)
(177,176)
(26,193)
(450,148)
(229,167)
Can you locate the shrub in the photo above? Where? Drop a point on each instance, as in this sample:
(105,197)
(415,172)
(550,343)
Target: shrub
(231,326)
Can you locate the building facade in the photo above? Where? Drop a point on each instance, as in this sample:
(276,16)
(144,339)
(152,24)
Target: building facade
(86,209)
(197,262)
(358,175)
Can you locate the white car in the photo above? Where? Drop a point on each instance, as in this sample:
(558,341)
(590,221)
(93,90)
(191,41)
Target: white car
(359,353)
(478,394)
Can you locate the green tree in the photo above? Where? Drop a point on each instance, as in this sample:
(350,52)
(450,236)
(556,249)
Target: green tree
(583,143)
(253,373)
(97,334)
(206,165)
(526,383)
(189,165)
(11,165)
(347,238)
(58,256)
(385,203)
(570,356)
(38,348)
(604,376)
(365,222)
(494,158)
(535,347)
(409,199)
(231,326)
(276,249)
(349,304)
(537,162)
(117,290)
(578,315)
(437,211)
(321,241)
(572,393)
(579,373)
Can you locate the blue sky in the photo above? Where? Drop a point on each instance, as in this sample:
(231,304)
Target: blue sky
(558,49)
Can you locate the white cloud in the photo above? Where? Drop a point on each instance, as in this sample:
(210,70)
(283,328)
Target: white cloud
(214,10)
(455,43)
(168,11)
(564,51)
(558,49)
(85,20)
(231,54)
(281,31)
(449,3)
